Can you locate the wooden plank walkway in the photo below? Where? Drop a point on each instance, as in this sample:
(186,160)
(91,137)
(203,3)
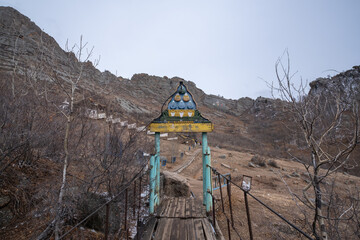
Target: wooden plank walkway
(179,218)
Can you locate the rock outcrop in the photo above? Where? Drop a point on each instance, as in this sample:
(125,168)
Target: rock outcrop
(175,185)
(345,85)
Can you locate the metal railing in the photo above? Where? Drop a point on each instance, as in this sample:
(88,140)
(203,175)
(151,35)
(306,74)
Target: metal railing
(128,202)
(218,183)
(229,214)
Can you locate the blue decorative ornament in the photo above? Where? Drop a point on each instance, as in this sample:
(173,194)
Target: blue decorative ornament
(181,105)
(190,105)
(172,105)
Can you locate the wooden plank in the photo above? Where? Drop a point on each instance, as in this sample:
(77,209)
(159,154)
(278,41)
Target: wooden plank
(180,208)
(199,233)
(173,207)
(168,208)
(177,208)
(208,229)
(175,233)
(193,210)
(148,232)
(190,228)
(188,208)
(168,229)
(160,228)
(164,207)
(183,208)
(182,229)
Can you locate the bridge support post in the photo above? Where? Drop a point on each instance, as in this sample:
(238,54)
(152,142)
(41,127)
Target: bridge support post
(207,188)
(157,159)
(152,184)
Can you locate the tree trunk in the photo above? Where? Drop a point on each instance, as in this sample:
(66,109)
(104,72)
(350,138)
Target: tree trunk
(318,204)
(62,188)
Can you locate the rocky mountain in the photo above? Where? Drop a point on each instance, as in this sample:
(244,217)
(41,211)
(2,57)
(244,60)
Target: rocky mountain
(246,124)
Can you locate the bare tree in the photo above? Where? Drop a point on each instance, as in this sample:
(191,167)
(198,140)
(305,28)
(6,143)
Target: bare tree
(68,84)
(329,125)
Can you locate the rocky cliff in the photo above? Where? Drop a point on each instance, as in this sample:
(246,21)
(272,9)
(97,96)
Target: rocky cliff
(345,85)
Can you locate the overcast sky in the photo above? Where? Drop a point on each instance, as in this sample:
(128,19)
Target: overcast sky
(226,47)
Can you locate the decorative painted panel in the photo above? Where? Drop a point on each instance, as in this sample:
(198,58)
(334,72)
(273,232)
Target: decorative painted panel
(181,115)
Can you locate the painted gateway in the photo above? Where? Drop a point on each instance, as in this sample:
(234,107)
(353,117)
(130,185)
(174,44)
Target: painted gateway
(181,115)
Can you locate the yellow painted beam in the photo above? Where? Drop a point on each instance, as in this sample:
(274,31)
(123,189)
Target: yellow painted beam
(181,127)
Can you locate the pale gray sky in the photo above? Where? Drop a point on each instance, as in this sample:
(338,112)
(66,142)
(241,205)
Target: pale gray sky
(226,47)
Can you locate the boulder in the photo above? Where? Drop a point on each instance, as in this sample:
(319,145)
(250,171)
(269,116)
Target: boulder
(225,165)
(250,164)
(175,185)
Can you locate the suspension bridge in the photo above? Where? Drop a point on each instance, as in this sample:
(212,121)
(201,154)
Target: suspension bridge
(180,217)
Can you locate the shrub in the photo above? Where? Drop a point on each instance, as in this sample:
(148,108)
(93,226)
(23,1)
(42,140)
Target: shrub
(258,160)
(272,163)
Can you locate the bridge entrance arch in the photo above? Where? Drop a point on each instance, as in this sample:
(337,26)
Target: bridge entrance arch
(180,116)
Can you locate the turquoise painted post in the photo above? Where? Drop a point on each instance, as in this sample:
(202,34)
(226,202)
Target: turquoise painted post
(157,160)
(208,183)
(207,201)
(152,184)
(204,148)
